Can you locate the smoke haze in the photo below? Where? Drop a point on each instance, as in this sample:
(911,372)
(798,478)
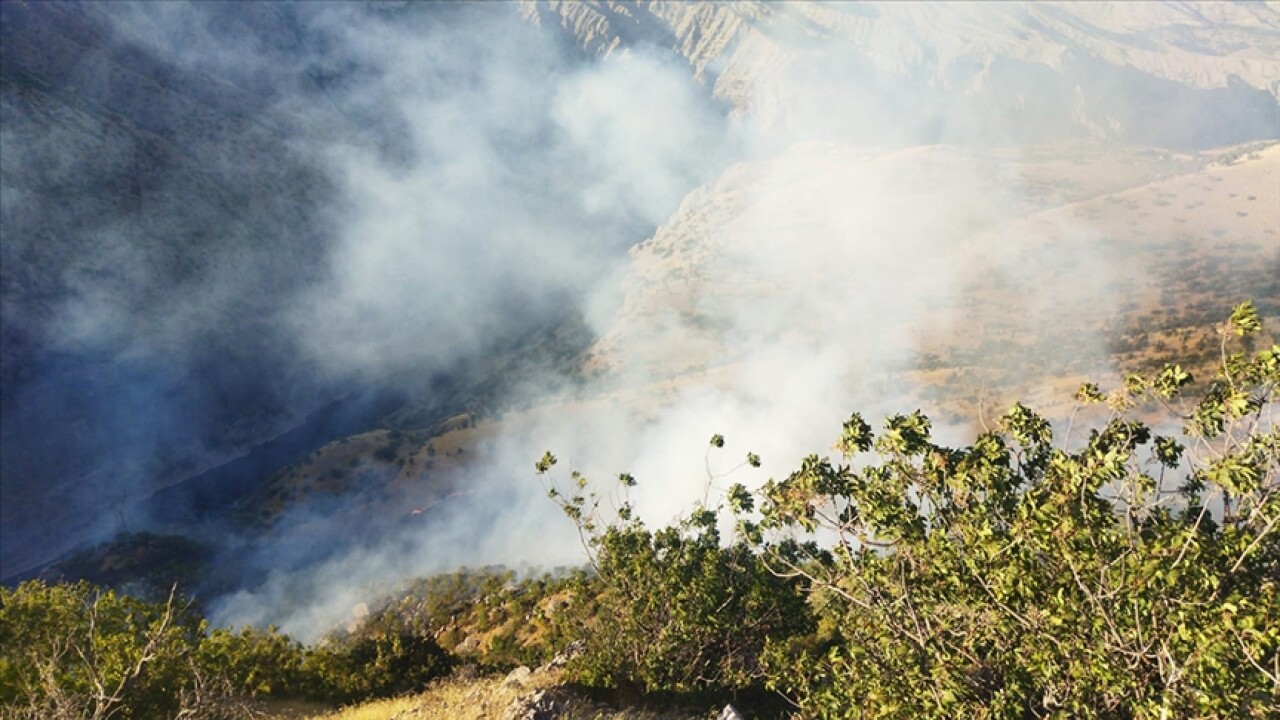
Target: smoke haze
(757,252)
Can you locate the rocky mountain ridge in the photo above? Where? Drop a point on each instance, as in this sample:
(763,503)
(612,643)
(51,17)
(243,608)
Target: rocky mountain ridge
(1074,62)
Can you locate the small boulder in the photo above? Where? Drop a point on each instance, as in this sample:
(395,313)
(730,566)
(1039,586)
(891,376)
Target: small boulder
(571,651)
(468,646)
(730,713)
(518,677)
(538,705)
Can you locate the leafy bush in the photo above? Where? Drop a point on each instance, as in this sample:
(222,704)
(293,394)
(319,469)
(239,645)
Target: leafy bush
(256,662)
(675,611)
(1132,576)
(78,651)
(378,662)
(75,651)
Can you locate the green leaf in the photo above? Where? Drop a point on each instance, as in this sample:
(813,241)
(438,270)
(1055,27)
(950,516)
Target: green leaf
(1244,319)
(1025,426)
(1171,380)
(740,499)
(856,436)
(1168,451)
(1089,394)
(545,464)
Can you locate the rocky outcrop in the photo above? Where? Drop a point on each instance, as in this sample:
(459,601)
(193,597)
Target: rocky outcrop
(729,713)
(519,677)
(571,651)
(1109,71)
(546,704)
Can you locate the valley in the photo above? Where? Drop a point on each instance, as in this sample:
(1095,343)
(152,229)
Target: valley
(293,297)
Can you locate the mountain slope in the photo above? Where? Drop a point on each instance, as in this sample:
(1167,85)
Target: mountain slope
(946,203)
(1101,244)
(146,212)
(1172,74)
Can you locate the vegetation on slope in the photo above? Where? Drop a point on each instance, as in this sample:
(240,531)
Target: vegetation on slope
(1132,576)
(1126,573)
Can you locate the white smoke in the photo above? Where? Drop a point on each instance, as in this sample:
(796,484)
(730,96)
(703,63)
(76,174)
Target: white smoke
(803,277)
(806,252)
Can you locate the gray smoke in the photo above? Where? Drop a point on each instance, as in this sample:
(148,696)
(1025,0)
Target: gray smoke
(798,285)
(848,208)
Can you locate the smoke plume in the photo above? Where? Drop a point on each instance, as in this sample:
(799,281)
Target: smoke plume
(755,263)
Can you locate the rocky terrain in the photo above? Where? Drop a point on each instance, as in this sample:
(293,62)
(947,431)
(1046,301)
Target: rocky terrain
(1157,74)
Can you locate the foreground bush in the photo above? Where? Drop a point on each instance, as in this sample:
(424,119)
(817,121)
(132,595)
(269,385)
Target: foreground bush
(74,651)
(1131,576)
(1127,574)
(77,651)
(257,663)
(377,662)
(674,610)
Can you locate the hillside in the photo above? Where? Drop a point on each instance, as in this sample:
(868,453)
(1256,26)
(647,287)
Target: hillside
(312,286)
(1146,248)
(169,219)
(145,213)
(1174,237)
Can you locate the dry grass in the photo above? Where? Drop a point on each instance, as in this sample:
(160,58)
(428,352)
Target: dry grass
(469,699)
(375,710)
(485,699)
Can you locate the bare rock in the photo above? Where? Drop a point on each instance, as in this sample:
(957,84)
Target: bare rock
(729,713)
(562,658)
(468,646)
(539,705)
(518,677)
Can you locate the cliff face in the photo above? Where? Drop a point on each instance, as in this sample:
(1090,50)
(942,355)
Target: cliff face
(1156,73)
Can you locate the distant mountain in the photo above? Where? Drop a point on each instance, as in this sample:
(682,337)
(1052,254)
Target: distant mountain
(1155,73)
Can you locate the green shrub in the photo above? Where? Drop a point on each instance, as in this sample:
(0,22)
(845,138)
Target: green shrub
(378,662)
(255,662)
(1130,576)
(79,651)
(675,611)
